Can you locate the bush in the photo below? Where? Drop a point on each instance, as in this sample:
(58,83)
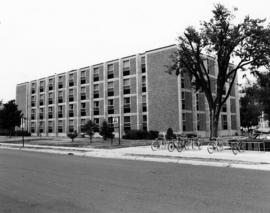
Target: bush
(72,135)
(169,134)
(140,134)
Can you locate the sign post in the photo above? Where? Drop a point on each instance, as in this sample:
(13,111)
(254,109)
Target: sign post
(117,120)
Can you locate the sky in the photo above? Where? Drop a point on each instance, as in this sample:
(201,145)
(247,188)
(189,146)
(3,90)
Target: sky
(40,38)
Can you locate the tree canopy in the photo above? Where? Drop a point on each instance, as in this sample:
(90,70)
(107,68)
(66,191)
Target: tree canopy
(10,116)
(221,39)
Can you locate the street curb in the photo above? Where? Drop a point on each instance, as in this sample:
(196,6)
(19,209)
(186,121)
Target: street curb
(90,152)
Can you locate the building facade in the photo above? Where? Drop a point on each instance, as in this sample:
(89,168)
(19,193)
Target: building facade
(136,89)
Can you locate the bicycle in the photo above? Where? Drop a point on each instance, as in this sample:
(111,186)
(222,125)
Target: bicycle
(237,146)
(158,143)
(175,144)
(215,144)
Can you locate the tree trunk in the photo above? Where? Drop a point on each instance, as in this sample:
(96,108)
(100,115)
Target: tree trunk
(214,118)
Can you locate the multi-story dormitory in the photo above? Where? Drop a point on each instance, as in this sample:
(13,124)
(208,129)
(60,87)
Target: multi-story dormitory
(135,88)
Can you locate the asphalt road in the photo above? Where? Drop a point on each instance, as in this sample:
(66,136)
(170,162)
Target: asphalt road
(40,182)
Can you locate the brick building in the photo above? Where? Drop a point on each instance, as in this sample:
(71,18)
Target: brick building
(135,88)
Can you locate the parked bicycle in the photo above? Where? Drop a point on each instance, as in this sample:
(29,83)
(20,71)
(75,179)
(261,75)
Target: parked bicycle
(159,143)
(237,147)
(215,144)
(183,142)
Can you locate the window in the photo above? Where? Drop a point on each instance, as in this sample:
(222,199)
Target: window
(83,93)
(83,77)
(96,121)
(182,81)
(110,106)
(60,111)
(60,126)
(96,108)
(110,71)
(224,107)
(41,100)
(50,99)
(127,105)
(60,96)
(50,84)
(96,74)
(60,82)
(33,101)
(144,122)
(126,84)
(211,66)
(33,88)
(127,123)
(50,112)
(33,127)
(184,120)
(41,86)
(96,91)
(143,83)
(110,123)
(198,122)
(71,126)
(224,122)
(41,113)
(224,90)
(183,101)
(144,106)
(143,65)
(71,79)
(126,67)
(50,126)
(197,102)
(33,114)
(83,109)
(41,127)
(71,95)
(71,110)
(110,89)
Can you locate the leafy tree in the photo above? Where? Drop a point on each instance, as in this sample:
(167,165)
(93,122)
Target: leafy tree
(72,135)
(106,131)
(10,116)
(90,128)
(247,42)
(250,106)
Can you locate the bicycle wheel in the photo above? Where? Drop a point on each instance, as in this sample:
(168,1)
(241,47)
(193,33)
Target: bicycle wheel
(179,146)
(210,148)
(171,146)
(235,149)
(155,145)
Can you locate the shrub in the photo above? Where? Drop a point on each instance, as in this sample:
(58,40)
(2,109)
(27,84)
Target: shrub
(72,135)
(169,134)
(136,134)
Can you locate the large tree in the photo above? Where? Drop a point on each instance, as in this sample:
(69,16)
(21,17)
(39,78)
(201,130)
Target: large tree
(10,116)
(90,128)
(247,43)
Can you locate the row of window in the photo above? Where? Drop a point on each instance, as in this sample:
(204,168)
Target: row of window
(96,77)
(60,126)
(71,111)
(126,90)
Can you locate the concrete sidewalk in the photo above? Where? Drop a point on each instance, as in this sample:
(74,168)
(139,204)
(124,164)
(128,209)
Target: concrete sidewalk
(246,160)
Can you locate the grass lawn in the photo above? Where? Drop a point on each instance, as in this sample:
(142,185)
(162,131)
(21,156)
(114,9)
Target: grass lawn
(78,142)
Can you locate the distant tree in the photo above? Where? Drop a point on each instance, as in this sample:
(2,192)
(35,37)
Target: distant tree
(263,81)
(72,135)
(247,43)
(10,116)
(250,106)
(106,131)
(89,128)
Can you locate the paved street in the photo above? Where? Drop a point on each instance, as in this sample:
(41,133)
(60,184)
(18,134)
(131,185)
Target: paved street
(42,182)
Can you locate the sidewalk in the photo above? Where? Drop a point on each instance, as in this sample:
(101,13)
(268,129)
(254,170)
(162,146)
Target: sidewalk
(246,160)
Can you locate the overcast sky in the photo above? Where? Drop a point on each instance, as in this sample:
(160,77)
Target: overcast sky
(41,38)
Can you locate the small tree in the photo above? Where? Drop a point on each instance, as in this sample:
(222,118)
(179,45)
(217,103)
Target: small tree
(72,135)
(106,130)
(10,116)
(89,128)
(169,134)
